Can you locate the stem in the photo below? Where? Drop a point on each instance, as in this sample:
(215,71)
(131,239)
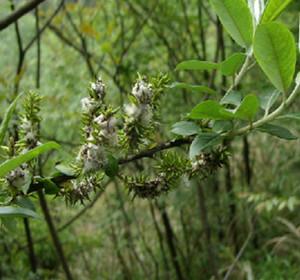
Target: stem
(160,240)
(31,253)
(232,206)
(15,15)
(269,117)
(238,256)
(54,235)
(170,240)
(38,48)
(207,230)
(249,174)
(128,233)
(241,74)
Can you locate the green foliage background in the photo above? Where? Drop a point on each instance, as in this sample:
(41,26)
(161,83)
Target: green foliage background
(117,227)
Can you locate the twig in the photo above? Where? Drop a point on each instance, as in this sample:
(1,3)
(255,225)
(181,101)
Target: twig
(47,23)
(54,235)
(14,16)
(238,256)
(150,152)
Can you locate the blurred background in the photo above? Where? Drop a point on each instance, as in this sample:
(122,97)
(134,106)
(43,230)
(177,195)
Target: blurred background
(249,207)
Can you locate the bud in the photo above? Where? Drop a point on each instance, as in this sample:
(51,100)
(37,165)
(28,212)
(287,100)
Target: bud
(142,91)
(107,127)
(81,189)
(18,177)
(98,88)
(92,157)
(132,111)
(88,105)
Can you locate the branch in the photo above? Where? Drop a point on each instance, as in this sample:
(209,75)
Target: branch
(270,117)
(150,153)
(38,34)
(14,16)
(74,46)
(74,218)
(62,178)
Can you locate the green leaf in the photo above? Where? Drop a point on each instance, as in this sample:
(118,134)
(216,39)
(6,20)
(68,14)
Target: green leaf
(273,9)
(291,116)
(25,202)
(111,167)
(202,142)
(275,52)
(8,223)
(65,169)
(48,185)
(197,65)
(194,88)
(26,185)
(210,109)
(13,163)
(298,75)
(268,99)
(248,108)
(277,131)
(12,211)
(7,117)
(232,64)
(236,18)
(232,98)
(222,126)
(185,128)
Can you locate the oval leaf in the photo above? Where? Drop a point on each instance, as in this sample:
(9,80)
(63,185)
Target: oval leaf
(203,141)
(197,65)
(291,116)
(275,51)
(268,99)
(248,108)
(185,128)
(232,64)
(194,88)
(236,18)
(210,110)
(232,97)
(277,131)
(273,9)
(13,163)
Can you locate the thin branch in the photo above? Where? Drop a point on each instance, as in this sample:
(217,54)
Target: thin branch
(21,54)
(83,210)
(71,44)
(31,252)
(54,235)
(238,256)
(14,16)
(150,152)
(47,23)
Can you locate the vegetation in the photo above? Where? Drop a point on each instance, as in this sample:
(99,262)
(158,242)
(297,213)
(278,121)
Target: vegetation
(149,139)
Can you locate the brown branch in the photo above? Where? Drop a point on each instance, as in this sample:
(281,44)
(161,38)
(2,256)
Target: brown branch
(54,235)
(62,178)
(14,16)
(150,152)
(41,31)
(83,53)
